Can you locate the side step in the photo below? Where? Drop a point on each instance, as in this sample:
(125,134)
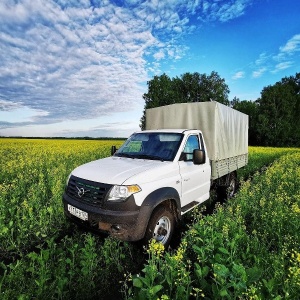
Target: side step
(189,206)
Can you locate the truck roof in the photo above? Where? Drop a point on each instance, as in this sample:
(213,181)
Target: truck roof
(182,130)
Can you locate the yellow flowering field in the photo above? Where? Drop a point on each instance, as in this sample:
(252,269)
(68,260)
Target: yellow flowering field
(260,158)
(222,255)
(248,248)
(32,178)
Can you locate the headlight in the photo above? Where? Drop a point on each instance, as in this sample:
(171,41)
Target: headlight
(121,192)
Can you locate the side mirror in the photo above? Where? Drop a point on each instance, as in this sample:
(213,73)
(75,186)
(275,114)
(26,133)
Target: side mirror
(198,157)
(113,150)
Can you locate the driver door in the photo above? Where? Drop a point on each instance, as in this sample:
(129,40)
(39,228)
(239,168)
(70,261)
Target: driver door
(195,179)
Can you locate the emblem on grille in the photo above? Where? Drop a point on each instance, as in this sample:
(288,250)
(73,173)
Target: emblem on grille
(81,191)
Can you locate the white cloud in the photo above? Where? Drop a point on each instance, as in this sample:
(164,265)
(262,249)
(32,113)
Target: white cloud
(289,49)
(9,105)
(279,62)
(258,73)
(20,114)
(61,65)
(159,55)
(238,75)
(282,66)
(223,12)
(83,127)
(13,13)
(65,60)
(292,45)
(286,53)
(262,59)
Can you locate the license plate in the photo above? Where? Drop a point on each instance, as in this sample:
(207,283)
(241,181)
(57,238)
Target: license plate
(78,212)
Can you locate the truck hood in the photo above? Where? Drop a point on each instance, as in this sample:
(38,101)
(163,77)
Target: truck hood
(114,170)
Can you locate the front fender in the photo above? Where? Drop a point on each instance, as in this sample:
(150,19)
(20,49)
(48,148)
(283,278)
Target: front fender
(161,195)
(152,201)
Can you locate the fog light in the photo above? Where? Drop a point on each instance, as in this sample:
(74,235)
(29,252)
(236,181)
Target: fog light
(115,228)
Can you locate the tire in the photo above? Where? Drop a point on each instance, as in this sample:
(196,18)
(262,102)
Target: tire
(161,226)
(231,188)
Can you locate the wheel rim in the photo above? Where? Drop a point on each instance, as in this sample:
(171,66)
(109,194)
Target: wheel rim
(231,188)
(162,230)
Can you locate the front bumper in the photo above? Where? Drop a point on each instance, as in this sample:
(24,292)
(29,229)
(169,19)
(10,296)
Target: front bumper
(124,220)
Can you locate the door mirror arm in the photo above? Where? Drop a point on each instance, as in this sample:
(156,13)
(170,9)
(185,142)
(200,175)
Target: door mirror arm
(113,150)
(182,157)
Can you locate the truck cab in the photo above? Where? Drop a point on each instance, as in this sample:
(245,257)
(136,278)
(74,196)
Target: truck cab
(144,188)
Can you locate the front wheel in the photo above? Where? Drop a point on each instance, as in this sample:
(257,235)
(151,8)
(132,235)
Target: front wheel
(161,226)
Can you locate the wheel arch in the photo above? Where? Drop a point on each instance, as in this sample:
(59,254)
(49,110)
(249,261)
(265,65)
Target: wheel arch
(164,197)
(167,197)
(224,183)
(225,180)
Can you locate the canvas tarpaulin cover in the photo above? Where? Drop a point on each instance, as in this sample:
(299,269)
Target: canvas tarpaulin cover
(225,130)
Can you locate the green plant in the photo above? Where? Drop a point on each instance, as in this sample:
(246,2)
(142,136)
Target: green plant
(244,250)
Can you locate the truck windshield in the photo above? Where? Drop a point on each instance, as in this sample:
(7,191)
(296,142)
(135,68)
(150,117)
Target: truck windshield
(151,145)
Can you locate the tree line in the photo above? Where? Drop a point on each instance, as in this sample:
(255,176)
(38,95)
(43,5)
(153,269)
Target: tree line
(274,118)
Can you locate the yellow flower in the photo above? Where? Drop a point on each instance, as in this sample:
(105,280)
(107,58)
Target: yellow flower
(296,208)
(156,248)
(25,204)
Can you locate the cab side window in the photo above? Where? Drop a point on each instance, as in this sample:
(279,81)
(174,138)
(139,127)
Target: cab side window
(191,144)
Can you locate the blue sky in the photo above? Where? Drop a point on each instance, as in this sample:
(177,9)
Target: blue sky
(80,68)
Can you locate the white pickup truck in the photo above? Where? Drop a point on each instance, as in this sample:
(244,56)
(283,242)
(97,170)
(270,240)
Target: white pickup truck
(159,174)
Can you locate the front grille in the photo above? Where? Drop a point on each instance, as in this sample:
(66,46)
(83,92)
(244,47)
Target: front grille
(89,192)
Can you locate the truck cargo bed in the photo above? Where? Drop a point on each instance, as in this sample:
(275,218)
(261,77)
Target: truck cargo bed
(225,130)
(225,166)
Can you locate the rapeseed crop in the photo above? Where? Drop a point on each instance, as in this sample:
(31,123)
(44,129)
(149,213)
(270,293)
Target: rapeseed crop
(32,178)
(247,249)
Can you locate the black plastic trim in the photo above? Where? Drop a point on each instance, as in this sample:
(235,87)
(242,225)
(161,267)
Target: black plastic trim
(131,218)
(126,218)
(161,195)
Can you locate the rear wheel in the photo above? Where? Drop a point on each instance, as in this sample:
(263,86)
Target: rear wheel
(231,188)
(161,226)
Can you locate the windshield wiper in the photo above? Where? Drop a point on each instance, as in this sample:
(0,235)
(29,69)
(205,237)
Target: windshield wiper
(152,157)
(139,156)
(125,155)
